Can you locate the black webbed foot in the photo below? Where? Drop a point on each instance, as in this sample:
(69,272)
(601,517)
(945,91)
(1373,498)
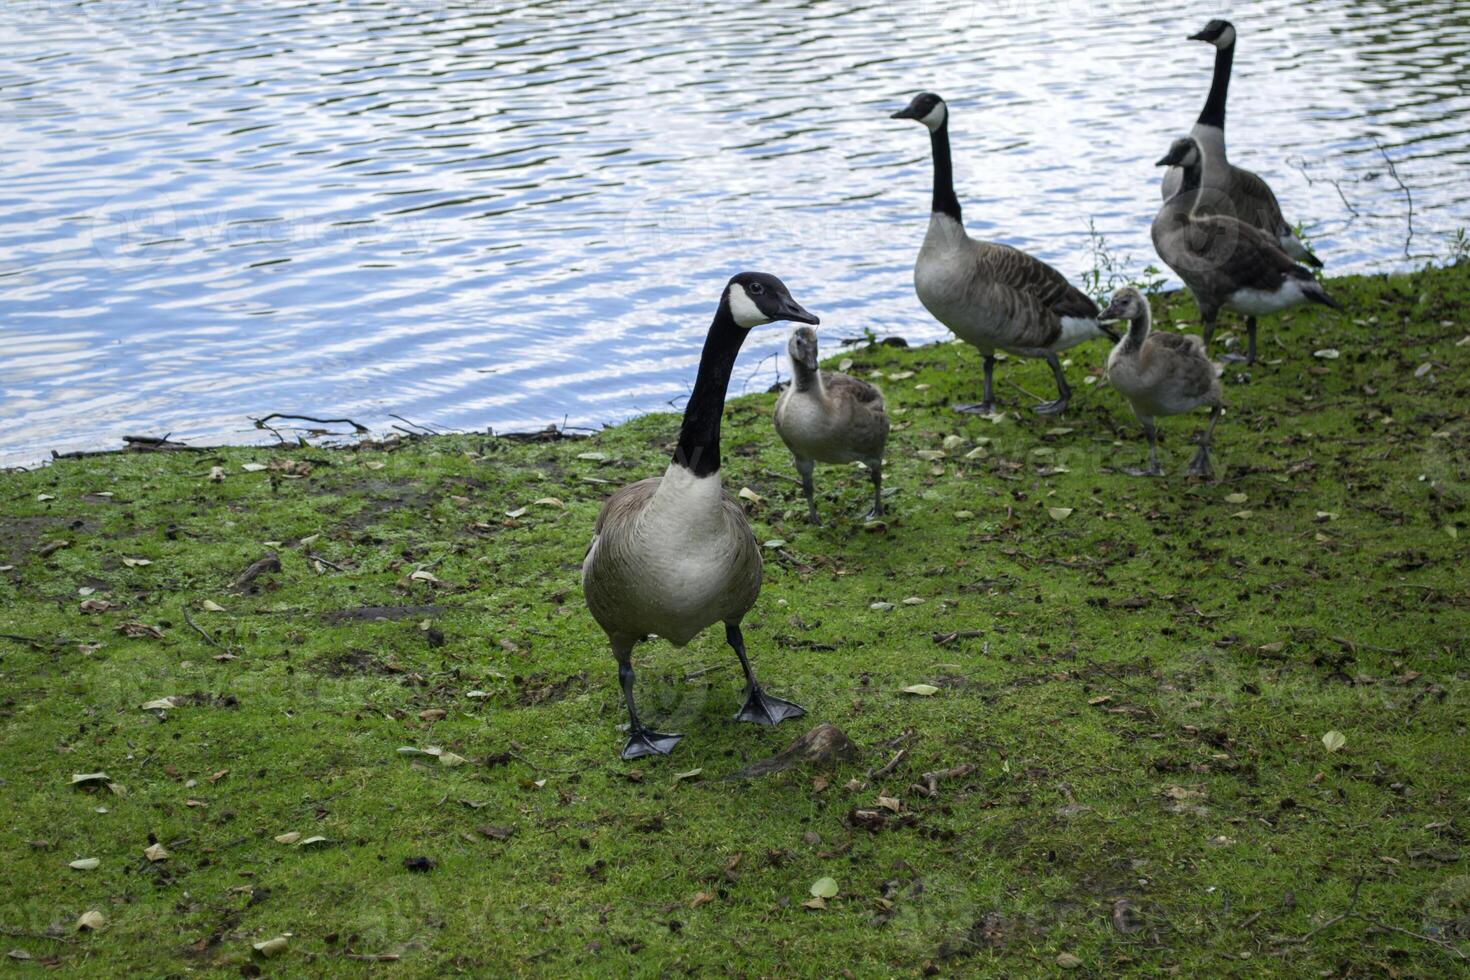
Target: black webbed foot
(979,408)
(646,741)
(767,709)
(1051,408)
(1200,466)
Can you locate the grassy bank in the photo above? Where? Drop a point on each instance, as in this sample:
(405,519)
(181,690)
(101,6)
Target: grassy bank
(1133,680)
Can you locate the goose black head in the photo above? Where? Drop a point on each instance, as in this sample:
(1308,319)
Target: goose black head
(758,297)
(1220,33)
(1183,152)
(1127,304)
(927,108)
(803,347)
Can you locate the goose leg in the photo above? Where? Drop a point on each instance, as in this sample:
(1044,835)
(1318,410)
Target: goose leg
(641,741)
(1064,393)
(1249,357)
(988,405)
(1200,466)
(1154,469)
(1209,330)
(760,707)
(808,488)
(875,473)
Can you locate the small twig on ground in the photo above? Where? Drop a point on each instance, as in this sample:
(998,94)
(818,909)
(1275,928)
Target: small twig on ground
(1444,945)
(876,774)
(564,772)
(1028,394)
(330,564)
(260,423)
(39,644)
(205,633)
(695,675)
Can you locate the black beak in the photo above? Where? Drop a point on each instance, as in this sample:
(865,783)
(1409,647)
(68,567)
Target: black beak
(1166,161)
(792,310)
(907,112)
(1201,36)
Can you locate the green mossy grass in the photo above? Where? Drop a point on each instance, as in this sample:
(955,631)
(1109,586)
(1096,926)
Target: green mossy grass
(1141,687)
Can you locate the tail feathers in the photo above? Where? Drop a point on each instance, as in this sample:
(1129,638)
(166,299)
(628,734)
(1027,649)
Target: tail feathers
(1294,247)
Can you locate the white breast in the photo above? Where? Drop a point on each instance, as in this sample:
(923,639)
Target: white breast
(1261,302)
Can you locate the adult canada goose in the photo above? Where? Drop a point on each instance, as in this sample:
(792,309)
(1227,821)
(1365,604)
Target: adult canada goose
(992,296)
(672,555)
(1161,374)
(1225,262)
(1234,191)
(830,418)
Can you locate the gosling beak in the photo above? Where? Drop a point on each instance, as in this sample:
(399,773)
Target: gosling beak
(794,311)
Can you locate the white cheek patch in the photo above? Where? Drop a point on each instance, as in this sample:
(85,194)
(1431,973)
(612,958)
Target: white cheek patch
(743,308)
(936,117)
(1227,37)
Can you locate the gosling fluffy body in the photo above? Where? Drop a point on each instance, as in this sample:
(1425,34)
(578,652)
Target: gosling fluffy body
(826,417)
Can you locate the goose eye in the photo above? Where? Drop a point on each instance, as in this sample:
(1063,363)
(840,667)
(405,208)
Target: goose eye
(757,288)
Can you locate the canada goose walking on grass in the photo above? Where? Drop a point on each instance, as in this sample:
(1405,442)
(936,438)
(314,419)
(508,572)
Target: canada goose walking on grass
(993,296)
(830,418)
(1225,262)
(1161,374)
(672,555)
(1233,190)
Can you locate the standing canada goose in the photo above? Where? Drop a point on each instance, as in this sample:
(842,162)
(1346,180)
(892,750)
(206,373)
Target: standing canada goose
(830,418)
(992,296)
(672,555)
(1233,190)
(1225,262)
(1161,374)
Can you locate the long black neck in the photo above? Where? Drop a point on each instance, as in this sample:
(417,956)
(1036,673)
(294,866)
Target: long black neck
(944,200)
(699,437)
(1213,113)
(1193,175)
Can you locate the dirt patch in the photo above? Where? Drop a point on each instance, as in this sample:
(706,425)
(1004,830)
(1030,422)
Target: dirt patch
(368,614)
(382,497)
(536,689)
(20,534)
(354,663)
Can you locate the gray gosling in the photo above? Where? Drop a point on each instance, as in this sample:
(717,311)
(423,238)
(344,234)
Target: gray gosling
(825,417)
(1161,374)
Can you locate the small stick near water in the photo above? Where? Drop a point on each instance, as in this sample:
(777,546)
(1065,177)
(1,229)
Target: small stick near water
(260,423)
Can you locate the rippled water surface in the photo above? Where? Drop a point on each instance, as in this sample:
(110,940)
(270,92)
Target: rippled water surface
(478,214)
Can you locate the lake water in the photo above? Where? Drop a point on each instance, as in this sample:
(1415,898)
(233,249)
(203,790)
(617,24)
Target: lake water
(475,214)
